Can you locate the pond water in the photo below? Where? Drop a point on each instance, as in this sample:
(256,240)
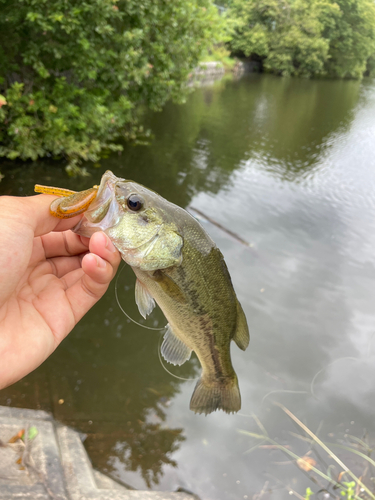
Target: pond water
(288,165)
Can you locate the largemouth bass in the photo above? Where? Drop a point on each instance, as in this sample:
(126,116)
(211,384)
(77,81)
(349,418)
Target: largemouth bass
(177,265)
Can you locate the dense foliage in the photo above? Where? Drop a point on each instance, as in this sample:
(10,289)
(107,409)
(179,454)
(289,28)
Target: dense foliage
(306,37)
(73,74)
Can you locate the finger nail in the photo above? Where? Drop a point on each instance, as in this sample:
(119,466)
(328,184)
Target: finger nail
(100,262)
(109,245)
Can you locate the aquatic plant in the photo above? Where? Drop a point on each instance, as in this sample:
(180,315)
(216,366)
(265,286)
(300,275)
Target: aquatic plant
(352,490)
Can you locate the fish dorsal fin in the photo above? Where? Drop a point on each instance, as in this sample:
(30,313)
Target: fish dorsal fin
(143,299)
(241,336)
(173,349)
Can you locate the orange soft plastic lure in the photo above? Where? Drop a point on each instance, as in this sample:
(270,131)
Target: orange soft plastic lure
(70,203)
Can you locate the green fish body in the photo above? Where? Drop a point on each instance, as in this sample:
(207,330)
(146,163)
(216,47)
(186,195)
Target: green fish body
(179,266)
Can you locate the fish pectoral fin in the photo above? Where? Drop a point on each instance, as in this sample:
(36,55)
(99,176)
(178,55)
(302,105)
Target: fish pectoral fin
(173,349)
(143,299)
(241,336)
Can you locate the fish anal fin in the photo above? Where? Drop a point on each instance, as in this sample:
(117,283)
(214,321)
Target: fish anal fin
(173,349)
(143,299)
(221,394)
(241,336)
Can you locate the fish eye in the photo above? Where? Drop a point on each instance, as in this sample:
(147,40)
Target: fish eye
(135,202)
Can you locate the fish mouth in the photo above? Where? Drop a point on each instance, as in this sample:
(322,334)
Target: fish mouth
(107,199)
(106,194)
(104,212)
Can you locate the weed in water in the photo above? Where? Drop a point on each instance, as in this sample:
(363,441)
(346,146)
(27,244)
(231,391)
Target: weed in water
(351,490)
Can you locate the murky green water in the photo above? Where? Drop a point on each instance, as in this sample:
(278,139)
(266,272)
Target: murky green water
(289,166)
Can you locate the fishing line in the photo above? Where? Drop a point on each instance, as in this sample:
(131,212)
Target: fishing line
(282,391)
(325,368)
(148,328)
(126,314)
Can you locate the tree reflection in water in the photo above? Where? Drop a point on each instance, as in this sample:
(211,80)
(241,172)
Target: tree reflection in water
(147,449)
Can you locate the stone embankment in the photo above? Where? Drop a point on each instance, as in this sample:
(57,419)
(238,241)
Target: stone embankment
(209,69)
(43,460)
(208,72)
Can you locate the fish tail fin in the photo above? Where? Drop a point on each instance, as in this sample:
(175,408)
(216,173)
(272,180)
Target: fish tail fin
(223,394)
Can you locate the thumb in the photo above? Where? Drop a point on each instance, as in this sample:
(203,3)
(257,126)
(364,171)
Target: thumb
(33,212)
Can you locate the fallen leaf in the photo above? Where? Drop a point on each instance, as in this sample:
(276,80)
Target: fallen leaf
(33,432)
(341,475)
(19,461)
(306,463)
(18,436)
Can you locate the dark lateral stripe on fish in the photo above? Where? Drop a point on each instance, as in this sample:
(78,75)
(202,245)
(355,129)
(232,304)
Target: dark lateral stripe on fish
(208,333)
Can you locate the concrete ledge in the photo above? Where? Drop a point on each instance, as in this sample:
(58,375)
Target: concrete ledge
(53,465)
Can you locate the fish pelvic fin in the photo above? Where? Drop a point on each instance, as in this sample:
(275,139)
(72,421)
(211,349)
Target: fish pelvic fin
(241,335)
(173,349)
(222,394)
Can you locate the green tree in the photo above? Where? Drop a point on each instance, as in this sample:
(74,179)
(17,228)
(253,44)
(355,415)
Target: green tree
(306,37)
(74,74)
(351,38)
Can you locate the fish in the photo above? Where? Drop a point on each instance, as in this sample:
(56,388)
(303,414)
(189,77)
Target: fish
(179,267)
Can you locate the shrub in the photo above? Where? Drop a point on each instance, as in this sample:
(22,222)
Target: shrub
(73,74)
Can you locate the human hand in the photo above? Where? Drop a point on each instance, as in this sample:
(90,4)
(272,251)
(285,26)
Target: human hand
(49,278)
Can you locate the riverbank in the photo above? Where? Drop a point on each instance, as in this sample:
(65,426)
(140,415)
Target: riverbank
(42,459)
(206,73)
